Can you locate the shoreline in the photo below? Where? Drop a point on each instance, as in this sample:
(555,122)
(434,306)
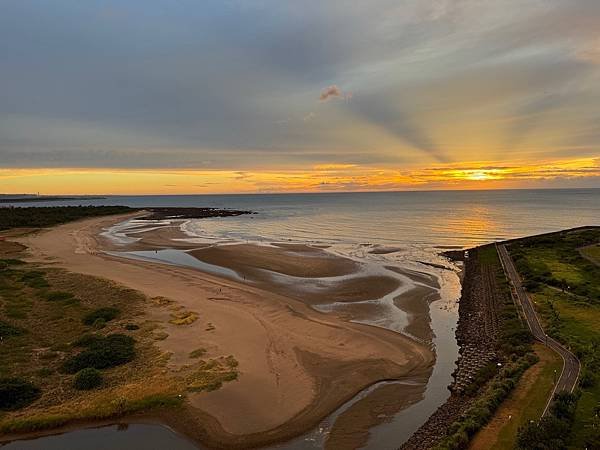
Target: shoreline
(318,364)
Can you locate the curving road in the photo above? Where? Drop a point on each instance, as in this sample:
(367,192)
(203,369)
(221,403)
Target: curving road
(571,366)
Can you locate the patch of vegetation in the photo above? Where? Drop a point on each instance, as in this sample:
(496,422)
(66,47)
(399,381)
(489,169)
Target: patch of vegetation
(110,351)
(16,393)
(482,410)
(210,375)
(525,403)
(183,318)
(198,353)
(566,290)
(112,409)
(7,262)
(8,330)
(552,431)
(554,260)
(58,296)
(44,372)
(88,378)
(36,217)
(160,335)
(592,252)
(105,314)
(131,327)
(87,340)
(34,279)
(51,334)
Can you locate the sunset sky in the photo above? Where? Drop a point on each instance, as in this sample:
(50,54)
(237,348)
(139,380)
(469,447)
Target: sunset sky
(187,96)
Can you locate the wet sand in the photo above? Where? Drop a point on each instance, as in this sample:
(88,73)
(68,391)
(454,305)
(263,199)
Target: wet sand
(351,429)
(296,261)
(296,364)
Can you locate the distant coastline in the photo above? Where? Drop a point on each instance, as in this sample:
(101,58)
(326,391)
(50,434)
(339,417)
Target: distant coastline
(42,198)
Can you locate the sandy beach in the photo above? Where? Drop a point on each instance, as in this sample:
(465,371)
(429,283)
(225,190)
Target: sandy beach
(296,364)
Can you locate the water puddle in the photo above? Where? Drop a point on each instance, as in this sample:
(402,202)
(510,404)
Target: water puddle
(178,258)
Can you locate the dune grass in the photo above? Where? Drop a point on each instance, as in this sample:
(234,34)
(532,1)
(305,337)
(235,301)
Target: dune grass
(42,323)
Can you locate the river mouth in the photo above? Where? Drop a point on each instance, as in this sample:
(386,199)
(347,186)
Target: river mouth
(383,286)
(420,301)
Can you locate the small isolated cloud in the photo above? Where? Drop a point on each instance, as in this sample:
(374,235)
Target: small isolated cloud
(334,91)
(310,116)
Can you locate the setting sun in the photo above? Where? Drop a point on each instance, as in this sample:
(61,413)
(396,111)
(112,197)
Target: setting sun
(479,175)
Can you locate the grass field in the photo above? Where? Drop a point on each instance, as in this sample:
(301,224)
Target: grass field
(527,402)
(576,324)
(565,288)
(592,252)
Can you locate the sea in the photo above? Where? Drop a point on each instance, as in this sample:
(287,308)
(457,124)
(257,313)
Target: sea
(407,229)
(437,219)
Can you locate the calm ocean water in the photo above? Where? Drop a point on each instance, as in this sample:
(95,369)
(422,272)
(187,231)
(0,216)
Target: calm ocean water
(436,219)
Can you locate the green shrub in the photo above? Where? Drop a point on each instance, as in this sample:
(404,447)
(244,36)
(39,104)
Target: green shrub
(16,393)
(101,353)
(131,327)
(87,340)
(87,379)
(12,262)
(34,279)
(106,314)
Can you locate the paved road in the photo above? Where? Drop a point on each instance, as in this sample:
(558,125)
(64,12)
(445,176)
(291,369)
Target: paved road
(571,367)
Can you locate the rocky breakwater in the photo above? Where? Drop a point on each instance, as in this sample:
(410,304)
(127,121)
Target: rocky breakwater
(477,336)
(190,213)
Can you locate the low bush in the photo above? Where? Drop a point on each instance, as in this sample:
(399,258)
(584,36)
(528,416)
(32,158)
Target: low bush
(87,340)
(106,314)
(87,379)
(16,393)
(112,350)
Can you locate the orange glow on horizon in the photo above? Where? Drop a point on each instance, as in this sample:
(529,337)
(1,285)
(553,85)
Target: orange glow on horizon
(320,178)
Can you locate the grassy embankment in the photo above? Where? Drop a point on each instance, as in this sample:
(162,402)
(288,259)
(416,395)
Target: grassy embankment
(566,290)
(494,383)
(526,403)
(79,348)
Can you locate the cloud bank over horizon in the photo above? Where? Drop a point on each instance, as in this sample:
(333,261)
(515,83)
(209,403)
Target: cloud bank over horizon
(271,86)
